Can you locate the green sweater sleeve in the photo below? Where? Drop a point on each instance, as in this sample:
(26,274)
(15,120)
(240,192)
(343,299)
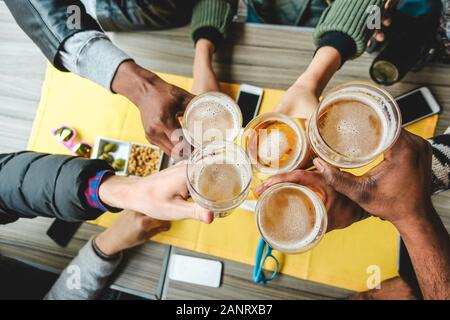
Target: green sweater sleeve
(349,17)
(217,14)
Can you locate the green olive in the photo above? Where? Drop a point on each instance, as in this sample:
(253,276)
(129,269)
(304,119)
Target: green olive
(107,157)
(110,147)
(118,164)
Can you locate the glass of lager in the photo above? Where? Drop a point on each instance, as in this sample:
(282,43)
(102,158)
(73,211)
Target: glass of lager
(354,124)
(219,177)
(291,218)
(274,143)
(212,116)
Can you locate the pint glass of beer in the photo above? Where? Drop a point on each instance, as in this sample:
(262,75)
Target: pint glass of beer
(354,124)
(291,218)
(274,143)
(219,177)
(212,116)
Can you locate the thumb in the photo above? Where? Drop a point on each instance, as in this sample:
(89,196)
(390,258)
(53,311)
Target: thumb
(191,210)
(343,182)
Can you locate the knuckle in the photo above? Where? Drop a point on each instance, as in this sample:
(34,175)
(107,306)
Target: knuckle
(152,131)
(141,223)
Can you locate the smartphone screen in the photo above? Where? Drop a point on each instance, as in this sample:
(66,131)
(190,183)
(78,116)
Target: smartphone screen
(248,103)
(414,106)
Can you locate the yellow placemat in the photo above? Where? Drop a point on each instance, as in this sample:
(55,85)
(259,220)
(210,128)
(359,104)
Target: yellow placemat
(342,259)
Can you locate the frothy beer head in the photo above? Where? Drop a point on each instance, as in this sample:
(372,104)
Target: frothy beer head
(352,128)
(291,218)
(219,176)
(220,182)
(354,124)
(274,143)
(211,117)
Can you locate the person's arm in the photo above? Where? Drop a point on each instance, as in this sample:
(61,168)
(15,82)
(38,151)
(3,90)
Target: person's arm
(211,20)
(35,184)
(86,276)
(147,195)
(90,271)
(399,190)
(428,245)
(346,19)
(158,102)
(49,23)
(210,24)
(85,50)
(301,99)
(341,35)
(70,38)
(204,77)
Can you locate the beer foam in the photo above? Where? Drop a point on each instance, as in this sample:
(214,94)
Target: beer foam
(288,220)
(353,128)
(212,118)
(272,146)
(219,182)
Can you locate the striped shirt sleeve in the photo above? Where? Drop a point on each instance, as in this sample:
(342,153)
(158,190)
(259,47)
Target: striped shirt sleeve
(441,162)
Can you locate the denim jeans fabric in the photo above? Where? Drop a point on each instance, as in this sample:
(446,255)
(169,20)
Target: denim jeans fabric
(288,12)
(143,15)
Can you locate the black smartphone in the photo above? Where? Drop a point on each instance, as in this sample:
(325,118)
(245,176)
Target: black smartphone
(62,231)
(417,104)
(249,101)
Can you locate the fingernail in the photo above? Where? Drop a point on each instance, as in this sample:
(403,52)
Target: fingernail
(209,217)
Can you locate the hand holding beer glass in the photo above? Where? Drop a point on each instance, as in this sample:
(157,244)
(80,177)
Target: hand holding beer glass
(219,177)
(290,218)
(219,172)
(353,125)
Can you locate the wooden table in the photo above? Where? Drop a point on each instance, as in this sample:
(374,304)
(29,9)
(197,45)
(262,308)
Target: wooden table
(267,56)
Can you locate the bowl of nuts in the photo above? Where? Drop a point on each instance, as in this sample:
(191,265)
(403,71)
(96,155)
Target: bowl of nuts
(127,158)
(144,160)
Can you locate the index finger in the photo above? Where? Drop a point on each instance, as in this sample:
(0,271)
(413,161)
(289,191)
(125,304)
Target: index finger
(302,177)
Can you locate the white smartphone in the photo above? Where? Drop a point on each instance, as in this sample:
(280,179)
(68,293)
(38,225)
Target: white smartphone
(194,270)
(417,105)
(249,100)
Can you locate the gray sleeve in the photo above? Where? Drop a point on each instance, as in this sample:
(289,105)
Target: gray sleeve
(93,56)
(84,278)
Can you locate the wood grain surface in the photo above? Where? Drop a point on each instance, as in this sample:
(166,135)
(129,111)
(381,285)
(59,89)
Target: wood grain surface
(267,56)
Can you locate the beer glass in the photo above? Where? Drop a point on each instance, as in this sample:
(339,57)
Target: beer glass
(219,177)
(354,124)
(212,116)
(291,218)
(274,143)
